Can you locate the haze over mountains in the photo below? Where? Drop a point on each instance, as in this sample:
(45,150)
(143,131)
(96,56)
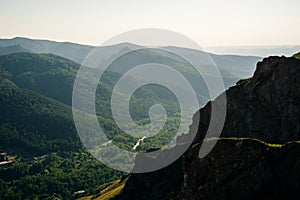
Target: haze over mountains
(78,52)
(262,51)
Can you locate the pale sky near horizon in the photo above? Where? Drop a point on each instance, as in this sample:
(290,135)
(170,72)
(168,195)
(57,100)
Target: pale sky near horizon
(209,23)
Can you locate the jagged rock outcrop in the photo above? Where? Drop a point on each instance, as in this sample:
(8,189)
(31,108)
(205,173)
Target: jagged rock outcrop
(265,107)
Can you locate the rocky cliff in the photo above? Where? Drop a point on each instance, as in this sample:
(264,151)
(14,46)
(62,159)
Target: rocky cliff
(258,154)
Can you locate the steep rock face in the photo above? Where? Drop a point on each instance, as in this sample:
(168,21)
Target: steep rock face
(247,171)
(265,107)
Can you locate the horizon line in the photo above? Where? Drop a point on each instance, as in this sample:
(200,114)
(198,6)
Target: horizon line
(93,45)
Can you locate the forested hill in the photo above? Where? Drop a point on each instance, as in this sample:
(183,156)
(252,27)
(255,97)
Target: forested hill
(47,74)
(36,125)
(53,77)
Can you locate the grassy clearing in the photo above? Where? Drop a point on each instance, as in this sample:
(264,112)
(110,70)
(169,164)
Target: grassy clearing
(297,56)
(271,145)
(109,191)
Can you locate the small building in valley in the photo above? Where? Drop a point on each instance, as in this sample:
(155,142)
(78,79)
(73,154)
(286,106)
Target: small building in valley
(3,157)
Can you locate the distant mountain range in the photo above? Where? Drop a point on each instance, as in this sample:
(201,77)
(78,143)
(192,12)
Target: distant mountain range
(72,51)
(262,51)
(12,49)
(237,65)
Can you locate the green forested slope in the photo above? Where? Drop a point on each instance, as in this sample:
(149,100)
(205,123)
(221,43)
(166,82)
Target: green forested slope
(36,120)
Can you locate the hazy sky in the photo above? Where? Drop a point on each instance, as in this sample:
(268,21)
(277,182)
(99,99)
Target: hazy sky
(209,23)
